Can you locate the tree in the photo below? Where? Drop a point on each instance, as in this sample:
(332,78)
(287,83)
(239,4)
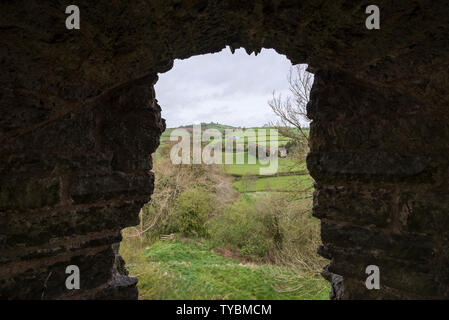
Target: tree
(291,111)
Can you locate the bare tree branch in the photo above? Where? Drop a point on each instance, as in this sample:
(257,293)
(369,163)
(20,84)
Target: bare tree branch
(292,111)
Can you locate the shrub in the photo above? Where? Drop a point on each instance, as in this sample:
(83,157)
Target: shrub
(275,227)
(239,227)
(192,209)
(295,232)
(171,181)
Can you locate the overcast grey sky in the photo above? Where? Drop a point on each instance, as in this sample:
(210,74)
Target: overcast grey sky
(228,88)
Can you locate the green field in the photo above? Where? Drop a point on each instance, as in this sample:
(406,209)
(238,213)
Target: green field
(182,270)
(284,165)
(253,135)
(281,183)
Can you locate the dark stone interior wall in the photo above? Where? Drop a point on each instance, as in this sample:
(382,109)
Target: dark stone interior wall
(381,166)
(79,120)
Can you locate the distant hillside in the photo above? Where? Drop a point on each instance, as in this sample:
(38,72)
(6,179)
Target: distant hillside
(220,127)
(210,125)
(204,126)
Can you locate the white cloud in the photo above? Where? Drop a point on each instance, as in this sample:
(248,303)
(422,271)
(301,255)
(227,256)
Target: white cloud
(223,87)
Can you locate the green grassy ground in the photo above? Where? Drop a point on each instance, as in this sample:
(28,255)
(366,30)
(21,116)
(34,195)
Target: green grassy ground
(180,270)
(282,183)
(256,135)
(191,270)
(284,165)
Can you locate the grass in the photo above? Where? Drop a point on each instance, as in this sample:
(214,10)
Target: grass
(248,135)
(284,183)
(284,165)
(191,270)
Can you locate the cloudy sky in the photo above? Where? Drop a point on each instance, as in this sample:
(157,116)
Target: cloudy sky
(228,88)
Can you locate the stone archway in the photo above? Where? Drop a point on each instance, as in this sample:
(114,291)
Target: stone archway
(79,120)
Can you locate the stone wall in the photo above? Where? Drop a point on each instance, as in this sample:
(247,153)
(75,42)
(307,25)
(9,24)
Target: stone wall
(78,182)
(381,192)
(79,120)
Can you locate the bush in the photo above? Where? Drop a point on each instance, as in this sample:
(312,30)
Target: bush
(278,228)
(295,232)
(171,181)
(239,227)
(192,209)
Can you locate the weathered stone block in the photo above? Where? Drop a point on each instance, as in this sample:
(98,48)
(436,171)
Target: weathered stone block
(29,194)
(74,131)
(47,233)
(90,188)
(368,165)
(356,203)
(404,134)
(420,249)
(426,213)
(409,278)
(48,281)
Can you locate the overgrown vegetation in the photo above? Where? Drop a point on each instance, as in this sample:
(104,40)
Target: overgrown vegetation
(262,225)
(183,269)
(245,218)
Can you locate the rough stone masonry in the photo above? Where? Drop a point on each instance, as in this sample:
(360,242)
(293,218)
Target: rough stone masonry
(79,119)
